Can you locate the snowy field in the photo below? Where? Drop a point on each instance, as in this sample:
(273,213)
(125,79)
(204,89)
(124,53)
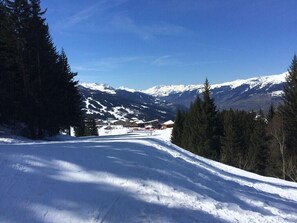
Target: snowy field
(132,178)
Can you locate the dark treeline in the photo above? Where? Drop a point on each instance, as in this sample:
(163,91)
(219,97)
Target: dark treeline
(87,127)
(37,86)
(264,144)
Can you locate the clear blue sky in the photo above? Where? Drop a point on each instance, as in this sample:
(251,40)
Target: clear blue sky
(142,43)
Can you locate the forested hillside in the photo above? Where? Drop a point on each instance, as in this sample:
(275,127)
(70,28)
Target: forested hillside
(38,92)
(264,144)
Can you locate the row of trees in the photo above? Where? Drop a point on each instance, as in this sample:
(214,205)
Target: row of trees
(87,127)
(37,86)
(266,145)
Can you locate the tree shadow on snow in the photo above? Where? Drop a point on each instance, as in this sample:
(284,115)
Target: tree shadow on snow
(90,180)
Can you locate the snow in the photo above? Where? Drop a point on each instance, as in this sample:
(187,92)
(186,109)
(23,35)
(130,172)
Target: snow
(277,93)
(166,90)
(255,81)
(89,106)
(127,89)
(164,134)
(260,82)
(133,178)
(163,90)
(113,130)
(120,112)
(99,87)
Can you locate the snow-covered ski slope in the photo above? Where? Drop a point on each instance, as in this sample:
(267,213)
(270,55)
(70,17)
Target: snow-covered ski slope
(132,178)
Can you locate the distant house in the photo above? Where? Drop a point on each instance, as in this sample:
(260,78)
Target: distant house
(168,124)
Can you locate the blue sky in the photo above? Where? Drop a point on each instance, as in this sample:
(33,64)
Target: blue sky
(143,43)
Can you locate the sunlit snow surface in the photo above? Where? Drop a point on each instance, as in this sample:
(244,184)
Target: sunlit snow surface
(132,178)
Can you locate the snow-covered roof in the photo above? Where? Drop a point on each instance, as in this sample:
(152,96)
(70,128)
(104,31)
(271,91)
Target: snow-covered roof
(170,122)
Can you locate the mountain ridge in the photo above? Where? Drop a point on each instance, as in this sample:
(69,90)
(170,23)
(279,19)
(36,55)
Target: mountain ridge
(103,101)
(273,79)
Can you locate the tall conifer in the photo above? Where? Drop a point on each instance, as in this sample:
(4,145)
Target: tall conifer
(192,134)
(289,108)
(178,128)
(230,141)
(37,87)
(258,151)
(211,140)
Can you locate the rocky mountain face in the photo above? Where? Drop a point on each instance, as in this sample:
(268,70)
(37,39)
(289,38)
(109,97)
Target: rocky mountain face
(161,102)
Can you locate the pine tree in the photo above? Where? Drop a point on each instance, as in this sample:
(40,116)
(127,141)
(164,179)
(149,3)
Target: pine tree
(277,146)
(37,87)
(5,64)
(289,108)
(245,127)
(192,135)
(211,139)
(69,98)
(18,13)
(230,141)
(271,113)
(90,127)
(45,75)
(10,76)
(79,129)
(177,131)
(258,151)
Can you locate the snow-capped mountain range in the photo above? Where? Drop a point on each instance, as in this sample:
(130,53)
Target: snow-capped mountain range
(256,82)
(160,102)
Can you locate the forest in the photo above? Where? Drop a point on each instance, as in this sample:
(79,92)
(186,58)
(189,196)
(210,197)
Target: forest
(253,141)
(39,95)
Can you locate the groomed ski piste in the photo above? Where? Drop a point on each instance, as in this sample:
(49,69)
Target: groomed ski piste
(134,177)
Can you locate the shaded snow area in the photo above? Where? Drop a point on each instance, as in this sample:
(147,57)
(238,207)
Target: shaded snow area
(133,178)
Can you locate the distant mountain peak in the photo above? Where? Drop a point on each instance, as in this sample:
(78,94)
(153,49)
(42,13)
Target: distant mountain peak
(99,87)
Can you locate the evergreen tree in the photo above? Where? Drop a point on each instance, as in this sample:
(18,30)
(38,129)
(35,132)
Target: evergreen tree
(245,127)
(258,151)
(192,132)
(90,127)
(69,97)
(79,129)
(271,113)
(41,68)
(18,13)
(37,87)
(230,141)
(277,146)
(289,108)
(211,139)
(177,131)
(10,73)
